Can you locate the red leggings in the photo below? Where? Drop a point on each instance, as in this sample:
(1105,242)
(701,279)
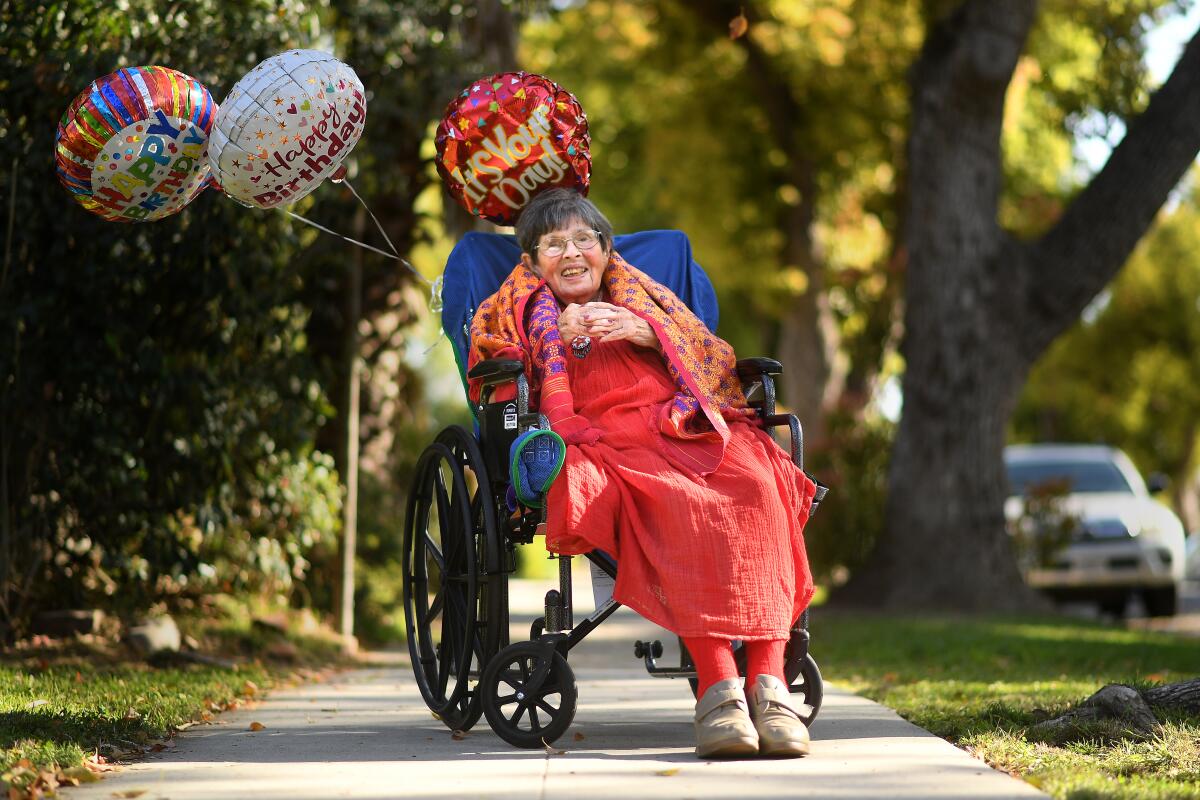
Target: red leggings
(714,660)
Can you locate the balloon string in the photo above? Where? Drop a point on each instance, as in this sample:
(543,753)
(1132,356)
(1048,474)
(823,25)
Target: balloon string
(375,219)
(384,253)
(395,254)
(435,288)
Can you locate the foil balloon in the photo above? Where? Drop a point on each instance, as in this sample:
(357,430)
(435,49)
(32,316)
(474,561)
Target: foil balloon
(285,127)
(132,146)
(507,137)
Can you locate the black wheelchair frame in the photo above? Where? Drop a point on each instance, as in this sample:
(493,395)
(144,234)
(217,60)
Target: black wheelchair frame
(460,578)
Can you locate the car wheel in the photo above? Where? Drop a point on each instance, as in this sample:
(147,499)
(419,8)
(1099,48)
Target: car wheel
(1114,605)
(1161,601)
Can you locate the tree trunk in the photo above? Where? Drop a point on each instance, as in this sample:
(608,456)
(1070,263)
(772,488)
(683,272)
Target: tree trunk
(1184,696)
(981,307)
(814,374)
(945,544)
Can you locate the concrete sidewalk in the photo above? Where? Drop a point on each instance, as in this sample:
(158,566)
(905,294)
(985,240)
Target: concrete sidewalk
(367,734)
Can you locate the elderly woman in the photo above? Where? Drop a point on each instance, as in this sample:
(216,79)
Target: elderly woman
(665,466)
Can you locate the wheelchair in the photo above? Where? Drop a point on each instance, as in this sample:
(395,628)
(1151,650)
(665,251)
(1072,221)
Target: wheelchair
(460,536)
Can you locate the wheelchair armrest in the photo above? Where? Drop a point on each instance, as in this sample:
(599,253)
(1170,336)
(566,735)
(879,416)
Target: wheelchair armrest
(496,370)
(752,369)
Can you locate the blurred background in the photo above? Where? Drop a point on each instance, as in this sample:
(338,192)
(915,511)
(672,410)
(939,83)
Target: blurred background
(173,396)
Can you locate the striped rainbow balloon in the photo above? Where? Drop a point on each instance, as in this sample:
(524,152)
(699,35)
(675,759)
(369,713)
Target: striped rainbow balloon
(133,147)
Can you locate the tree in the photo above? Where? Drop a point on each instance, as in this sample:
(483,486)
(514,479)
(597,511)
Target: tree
(772,151)
(1126,374)
(150,375)
(981,304)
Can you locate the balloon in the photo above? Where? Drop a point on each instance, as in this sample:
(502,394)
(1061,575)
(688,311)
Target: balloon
(132,147)
(286,126)
(508,137)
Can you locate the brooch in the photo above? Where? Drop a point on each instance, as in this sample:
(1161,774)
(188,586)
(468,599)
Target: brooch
(581,346)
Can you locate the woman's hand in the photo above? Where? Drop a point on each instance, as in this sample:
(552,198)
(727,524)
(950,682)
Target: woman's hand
(613,323)
(571,323)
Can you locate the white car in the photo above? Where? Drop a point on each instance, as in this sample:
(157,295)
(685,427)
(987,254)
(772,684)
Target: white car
(1120,541)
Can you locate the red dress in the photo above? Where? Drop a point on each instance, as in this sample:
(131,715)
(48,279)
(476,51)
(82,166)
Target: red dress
(717,555)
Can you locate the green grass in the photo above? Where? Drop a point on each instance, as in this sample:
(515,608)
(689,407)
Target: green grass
(982,683)
(64,703)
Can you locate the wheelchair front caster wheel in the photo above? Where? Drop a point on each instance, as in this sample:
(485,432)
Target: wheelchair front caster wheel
(805,678)
(528,694)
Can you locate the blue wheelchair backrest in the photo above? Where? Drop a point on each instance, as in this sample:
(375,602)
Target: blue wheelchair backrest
(480,262)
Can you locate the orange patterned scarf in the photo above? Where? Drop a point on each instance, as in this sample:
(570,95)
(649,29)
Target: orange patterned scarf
(520,321)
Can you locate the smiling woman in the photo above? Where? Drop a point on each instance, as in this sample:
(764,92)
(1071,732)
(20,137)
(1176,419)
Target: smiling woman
(663,468)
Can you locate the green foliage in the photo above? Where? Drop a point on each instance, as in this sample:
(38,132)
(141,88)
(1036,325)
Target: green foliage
(1082,75)
(146,371)
(1127,373)
(681,138)
(853,462)
(982,684)
(291,513)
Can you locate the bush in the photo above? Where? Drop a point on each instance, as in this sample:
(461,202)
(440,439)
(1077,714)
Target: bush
(853,462)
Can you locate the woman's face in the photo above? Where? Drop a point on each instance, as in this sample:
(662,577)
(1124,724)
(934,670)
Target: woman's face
(574,275)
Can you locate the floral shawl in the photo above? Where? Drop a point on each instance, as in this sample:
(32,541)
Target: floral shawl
(520,321)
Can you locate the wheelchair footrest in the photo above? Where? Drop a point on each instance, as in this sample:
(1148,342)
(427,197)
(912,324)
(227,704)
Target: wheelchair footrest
(649,651)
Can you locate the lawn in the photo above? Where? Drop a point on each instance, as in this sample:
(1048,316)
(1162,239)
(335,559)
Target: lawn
(67,708)
(982,683)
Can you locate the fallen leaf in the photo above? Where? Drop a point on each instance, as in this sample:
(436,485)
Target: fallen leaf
(79,775)
(257,726)
(132,713)
(458,735)
(579,737)
(78,676)
(738,26)
(130,793)
(667,772)
(250,688)
(550,751)
(37,703)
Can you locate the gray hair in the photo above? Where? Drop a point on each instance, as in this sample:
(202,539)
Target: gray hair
(554,209)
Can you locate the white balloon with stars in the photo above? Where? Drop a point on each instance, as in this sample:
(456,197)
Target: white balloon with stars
(285,127)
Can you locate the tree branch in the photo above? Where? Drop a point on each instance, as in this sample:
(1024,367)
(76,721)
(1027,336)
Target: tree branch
(1088,246)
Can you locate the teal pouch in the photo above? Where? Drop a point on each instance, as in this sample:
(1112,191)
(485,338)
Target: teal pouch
(535,459)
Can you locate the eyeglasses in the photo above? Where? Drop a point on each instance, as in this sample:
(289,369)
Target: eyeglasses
(555,246)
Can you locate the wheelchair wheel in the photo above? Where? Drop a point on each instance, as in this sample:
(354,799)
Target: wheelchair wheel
(455,589)
(806,680)
(529,699)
